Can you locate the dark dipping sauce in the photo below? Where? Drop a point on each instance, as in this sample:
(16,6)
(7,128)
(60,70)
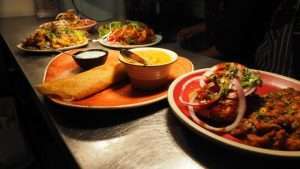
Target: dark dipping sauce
(275,122)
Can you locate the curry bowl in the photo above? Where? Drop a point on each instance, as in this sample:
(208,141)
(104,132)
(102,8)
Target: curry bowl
(155,72)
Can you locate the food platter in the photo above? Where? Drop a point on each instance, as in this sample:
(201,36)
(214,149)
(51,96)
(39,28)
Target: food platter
(71,19)
(83,24)
(127,34)
(271,82)
(20,46)
(119,96)
(104,42)
(53,37)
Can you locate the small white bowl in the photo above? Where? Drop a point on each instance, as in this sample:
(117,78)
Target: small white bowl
(149,77)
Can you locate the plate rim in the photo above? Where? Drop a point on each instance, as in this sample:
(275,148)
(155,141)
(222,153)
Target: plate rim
(20,46)
(127,106)
(219,139)
(102,41)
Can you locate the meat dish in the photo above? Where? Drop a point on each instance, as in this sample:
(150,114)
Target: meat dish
(274,121)
(223,100)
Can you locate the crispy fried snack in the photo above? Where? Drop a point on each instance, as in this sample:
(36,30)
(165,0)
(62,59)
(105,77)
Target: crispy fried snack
(86,83)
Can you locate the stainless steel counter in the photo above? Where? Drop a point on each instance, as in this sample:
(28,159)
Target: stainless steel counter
(148,137)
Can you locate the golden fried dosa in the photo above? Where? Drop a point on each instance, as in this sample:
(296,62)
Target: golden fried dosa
(86,83)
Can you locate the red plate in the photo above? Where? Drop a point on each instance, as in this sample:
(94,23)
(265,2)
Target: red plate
(271,82)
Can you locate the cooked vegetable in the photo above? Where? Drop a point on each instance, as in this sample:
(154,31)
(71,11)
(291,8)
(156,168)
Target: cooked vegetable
(274,123)
(106,29)
(219,98)
(52,36)
(126,32)
(240,109)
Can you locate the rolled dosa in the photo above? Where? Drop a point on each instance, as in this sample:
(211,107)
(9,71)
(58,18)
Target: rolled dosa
(84,84)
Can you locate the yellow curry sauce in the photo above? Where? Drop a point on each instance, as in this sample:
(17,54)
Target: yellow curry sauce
(154,57)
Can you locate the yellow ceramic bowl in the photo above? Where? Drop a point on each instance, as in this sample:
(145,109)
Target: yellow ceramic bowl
(155,73)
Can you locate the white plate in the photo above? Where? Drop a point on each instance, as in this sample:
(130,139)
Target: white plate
(270,80)
(104,42)
(20,46)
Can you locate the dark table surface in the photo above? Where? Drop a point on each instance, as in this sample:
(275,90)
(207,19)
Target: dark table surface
(145,137)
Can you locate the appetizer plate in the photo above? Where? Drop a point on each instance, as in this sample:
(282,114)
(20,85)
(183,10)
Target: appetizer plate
(84,24)
(88,24)
(271,82)
(20,46)
(118,96)
(104,42)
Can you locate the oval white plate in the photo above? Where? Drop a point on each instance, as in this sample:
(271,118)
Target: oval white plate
(104,42)
(270,80)
(20,46)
